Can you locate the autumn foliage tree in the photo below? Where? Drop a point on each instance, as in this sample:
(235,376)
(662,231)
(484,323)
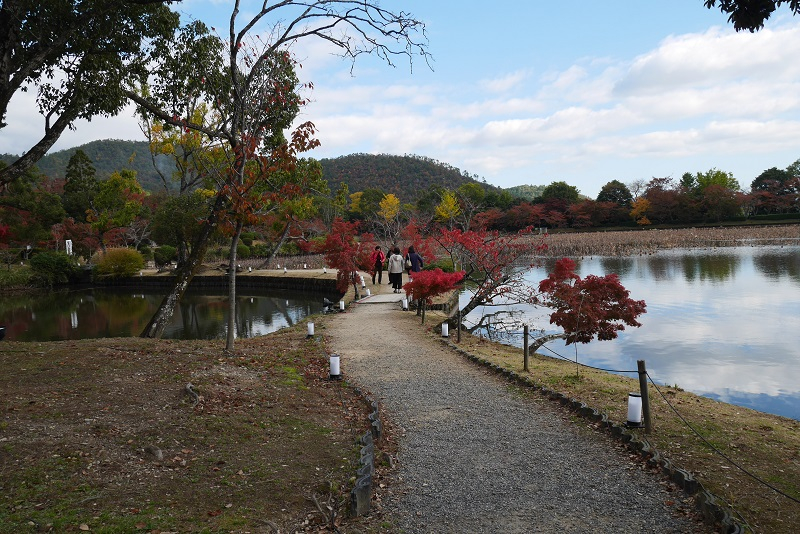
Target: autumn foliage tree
(249,81)
(428,284)
(494,264)
(346,252)
(586,308)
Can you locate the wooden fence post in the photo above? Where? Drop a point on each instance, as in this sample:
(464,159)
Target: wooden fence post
(458,326)
(645,397)
(525,347)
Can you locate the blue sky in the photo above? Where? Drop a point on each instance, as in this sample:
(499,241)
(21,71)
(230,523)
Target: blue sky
(535,92)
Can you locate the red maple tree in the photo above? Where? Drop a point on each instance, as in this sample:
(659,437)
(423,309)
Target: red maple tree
(585,308)
(347,252)
(428,284)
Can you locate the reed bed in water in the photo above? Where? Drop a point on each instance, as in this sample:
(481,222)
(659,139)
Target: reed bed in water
(642,242)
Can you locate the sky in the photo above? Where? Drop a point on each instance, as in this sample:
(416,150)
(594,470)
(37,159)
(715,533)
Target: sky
(536,92)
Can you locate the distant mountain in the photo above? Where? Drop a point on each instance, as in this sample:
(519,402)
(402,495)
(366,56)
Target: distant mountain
(407,177)
(109,156)
(526,192)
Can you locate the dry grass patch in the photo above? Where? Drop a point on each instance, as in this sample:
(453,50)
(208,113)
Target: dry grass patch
(102,434)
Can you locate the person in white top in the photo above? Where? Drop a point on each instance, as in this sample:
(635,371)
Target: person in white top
(395,268)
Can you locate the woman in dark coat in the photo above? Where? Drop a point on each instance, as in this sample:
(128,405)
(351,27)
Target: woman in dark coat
(415,261)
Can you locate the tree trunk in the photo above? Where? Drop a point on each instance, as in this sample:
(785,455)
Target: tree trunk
(26,161)
(160,320)
(264,264)
(537,343)
(231,335)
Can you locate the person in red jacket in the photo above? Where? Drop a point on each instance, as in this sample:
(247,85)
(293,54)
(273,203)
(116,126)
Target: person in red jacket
(377,260)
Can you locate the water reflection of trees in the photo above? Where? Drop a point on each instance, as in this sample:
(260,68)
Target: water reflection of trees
(776,266)
(618,265)
(119,312)
(694,267)
(712,267)
(205,317)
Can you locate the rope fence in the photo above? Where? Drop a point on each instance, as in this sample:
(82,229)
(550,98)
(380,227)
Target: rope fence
(683,420)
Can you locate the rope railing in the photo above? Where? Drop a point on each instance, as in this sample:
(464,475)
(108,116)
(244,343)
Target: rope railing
(688,425)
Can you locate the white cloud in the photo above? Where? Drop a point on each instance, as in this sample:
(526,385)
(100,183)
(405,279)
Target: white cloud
(694,101)
(504,83)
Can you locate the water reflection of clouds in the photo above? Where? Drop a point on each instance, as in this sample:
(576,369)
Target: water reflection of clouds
(723,323)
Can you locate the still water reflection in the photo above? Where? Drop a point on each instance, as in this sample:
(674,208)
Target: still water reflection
(724,323)
(121,312)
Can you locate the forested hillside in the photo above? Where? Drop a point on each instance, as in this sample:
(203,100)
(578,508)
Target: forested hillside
(405,176)
(526,192)
(109,156)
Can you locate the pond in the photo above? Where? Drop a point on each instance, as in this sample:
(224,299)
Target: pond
(724,323)
(124,312)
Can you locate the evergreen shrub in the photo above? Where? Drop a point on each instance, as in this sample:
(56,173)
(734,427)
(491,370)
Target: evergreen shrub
(164,254)
(118,263)
(50,268)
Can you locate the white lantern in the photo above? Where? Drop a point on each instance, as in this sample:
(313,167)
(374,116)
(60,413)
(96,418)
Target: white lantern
(310,329)
(405,304)
(341,305)
(634,409)
(369,293)
(335,373)
(445,330)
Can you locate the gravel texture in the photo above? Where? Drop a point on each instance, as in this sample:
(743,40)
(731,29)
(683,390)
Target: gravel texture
(474,455)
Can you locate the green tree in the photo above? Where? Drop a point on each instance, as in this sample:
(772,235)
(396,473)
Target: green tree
(716,177)
(80,185)
(560,191)
(51,268)
(688,182)
(177,221)
(617,192)
(77,55)
(794,169)
(767,179)
(117,203)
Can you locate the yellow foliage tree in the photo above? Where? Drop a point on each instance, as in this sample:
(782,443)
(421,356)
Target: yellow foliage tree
(448,209)
(355,202)
(389,221)
(389,207)
(640,207)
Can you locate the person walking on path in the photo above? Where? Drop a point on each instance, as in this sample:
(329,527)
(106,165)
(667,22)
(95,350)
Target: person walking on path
(476,455)
(413,261)
(377,260)
(395,269)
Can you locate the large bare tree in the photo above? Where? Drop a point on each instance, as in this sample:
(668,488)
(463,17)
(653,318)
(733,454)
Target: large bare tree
(254,97)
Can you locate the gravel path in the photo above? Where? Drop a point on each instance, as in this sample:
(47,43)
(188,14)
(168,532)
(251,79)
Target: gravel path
(474,456)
